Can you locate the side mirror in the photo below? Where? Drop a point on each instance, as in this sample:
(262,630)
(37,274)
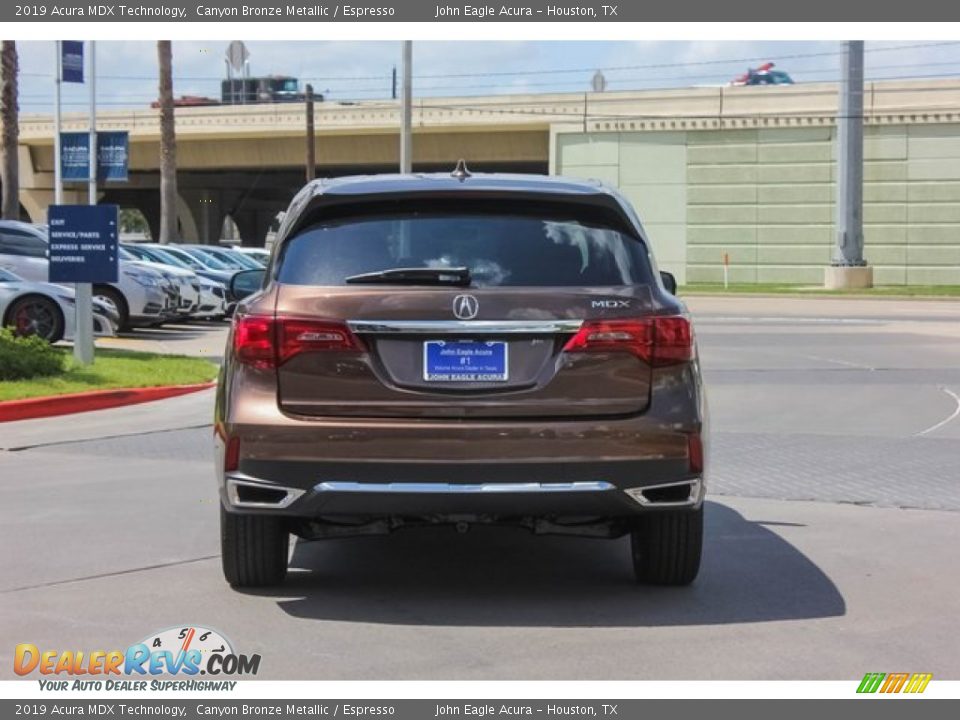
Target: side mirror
(245,283)
(669,282)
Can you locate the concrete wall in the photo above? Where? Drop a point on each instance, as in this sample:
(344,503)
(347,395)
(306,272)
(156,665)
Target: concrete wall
(765,196)
(650,169)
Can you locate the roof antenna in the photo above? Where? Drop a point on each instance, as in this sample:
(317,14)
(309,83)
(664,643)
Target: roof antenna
(460,172)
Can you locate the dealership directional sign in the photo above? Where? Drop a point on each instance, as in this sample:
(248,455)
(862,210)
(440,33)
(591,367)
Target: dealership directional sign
(83,243)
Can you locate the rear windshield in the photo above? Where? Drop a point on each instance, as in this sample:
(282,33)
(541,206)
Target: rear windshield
(499,249)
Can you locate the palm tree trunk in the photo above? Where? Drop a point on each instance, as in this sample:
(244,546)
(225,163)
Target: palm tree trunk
(168,147)
(9,131)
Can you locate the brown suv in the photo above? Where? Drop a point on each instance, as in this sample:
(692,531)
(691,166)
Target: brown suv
(460,349)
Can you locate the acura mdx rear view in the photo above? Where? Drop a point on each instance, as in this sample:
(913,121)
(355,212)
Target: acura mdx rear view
(460,350)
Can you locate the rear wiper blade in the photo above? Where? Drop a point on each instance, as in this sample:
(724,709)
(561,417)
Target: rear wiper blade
(459,276)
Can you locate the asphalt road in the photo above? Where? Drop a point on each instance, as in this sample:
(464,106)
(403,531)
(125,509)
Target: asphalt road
(831,542)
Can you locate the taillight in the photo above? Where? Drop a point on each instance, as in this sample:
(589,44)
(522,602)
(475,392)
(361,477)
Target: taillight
(633,336)
(658,341)
(295,336)
(695,453)
(672,341)
(231,454)
(266,342)
(253,340)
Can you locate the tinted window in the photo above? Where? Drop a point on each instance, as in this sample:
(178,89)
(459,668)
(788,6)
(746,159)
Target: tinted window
(507,249)
(17,242)
(205,259)
(222,257)
(244,260)
(182,256)
(135,251)
(162,256)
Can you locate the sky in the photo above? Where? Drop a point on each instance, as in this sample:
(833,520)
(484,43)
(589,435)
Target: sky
(126,71)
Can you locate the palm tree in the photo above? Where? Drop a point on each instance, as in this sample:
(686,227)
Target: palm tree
(168,147)
(9,131)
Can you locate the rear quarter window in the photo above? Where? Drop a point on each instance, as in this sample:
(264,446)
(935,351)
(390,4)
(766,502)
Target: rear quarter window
(514,247)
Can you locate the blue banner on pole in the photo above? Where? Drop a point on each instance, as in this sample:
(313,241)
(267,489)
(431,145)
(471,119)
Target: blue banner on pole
(75,156)
(112,156)
(71,61)
(83,243)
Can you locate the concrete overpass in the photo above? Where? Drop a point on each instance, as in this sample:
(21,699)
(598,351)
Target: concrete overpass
(246,162)
(742,170)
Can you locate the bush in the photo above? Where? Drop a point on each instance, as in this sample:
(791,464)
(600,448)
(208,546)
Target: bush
(22,358)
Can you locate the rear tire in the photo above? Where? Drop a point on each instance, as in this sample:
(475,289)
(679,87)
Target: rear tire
(253,549)
(37,315)
(666,547)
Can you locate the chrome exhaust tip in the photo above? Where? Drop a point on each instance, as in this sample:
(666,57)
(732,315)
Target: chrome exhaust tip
(246,492)
(683,493)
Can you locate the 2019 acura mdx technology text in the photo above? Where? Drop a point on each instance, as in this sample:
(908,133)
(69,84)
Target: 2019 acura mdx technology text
(460,349)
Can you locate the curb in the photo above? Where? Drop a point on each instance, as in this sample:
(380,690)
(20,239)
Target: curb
(50,406)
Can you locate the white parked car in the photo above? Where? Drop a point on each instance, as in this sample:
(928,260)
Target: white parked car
(141,295)
(48,310)
(187,282)
(211,302)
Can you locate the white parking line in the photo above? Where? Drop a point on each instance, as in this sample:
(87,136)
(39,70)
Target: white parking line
(701,319)
(943,422)
(845,363)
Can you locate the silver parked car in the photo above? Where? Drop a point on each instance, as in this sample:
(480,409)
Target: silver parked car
(141,295)
(47,310)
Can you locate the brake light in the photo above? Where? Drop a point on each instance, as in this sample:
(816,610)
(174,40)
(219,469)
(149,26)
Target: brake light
(658,341)
(695,453)
(231,454)
(266,342)
(295,336)
(253,340)
(672,341)
(633,336)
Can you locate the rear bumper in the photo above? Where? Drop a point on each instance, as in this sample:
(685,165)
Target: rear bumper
(587,488)
(593,467)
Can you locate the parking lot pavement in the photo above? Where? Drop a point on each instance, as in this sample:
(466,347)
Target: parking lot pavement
(788,589)
(840,400)
(198,338)
(831,533)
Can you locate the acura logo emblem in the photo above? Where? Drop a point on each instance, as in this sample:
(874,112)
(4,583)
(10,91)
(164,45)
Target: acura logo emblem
(465,307)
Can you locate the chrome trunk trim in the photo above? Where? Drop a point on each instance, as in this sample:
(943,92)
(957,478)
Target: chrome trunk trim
(465,327)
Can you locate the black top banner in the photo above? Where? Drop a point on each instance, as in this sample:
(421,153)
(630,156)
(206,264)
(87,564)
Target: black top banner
(511,11)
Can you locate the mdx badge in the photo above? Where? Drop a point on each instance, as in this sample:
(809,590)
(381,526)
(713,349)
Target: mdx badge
(465,307)
(610,304)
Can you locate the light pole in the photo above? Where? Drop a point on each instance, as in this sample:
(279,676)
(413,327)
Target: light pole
(848,267)
(406,115)
(311,137)
(83,340)
(57,168)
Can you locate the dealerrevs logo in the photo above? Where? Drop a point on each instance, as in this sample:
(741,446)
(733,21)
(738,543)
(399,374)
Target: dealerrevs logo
(191,650)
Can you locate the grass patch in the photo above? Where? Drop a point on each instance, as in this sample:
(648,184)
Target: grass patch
(781,289)
(113,369)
